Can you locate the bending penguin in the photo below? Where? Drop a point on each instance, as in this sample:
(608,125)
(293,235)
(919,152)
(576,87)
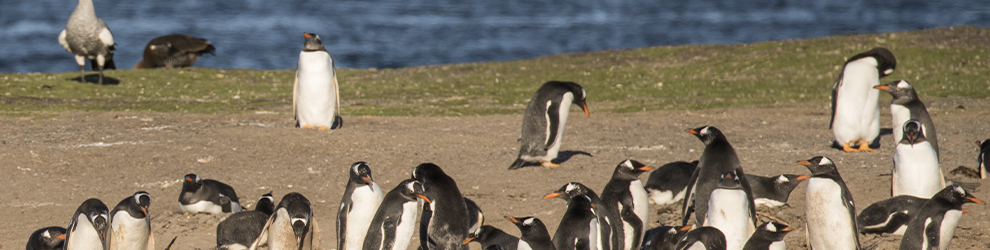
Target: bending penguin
(855,107)
(578,228)
(394,223)
(708,238)
(625,195)
(357,207)
(905,106)
(664,237)
(174,51)
(774,191)
(89,226)
(49,238)
(241,229)
(668,183)
(718,157)
(983,159)
(604,215)
(291,227)
(830,211)
(130,224)
(544,120)
(934,226)
(315,93)
(445,220)
(916,170)
(769,236)
(88,37)
(207,196)
(728,210)
(889,216)
(489,236)
(533,234)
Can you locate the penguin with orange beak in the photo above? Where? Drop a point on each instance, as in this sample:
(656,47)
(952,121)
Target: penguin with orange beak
(357,207)
(130,225)
(49,238)
(544,120)
(395,222)
(625,195)
(89,226)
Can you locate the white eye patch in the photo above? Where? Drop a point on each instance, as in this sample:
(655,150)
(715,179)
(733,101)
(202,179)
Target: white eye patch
(825,161)
(528,221)
(782,179)
(903,85)
(628,164)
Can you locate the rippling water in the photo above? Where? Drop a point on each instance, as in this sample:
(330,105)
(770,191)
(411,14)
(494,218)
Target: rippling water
(398,33)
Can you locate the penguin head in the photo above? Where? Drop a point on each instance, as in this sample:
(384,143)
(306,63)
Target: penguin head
(913,132)
(900,90)
(412,189)
(729,180)
(775,230)
(707,134)
(265,204)
(191,183)
(51,237)
(886,62)
(480,234)
(361,173)
(139,204)
(426,172)
(580,96)
(789,181)
(630,169)
(527,225)
(97,214)
(956,196)
(819,165)
(313,43)
(300,213)
(569,190)
(985,143)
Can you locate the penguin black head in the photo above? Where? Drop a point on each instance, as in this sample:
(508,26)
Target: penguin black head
(97,214)
(137,205)
(361,173)
(300,212)
(47,238)
(956,196)
(630,169)
(819,165)
(426,172)
(528,225)
(569,190)
(985,143)
(191,183)
(707,134)
(774,231)
(266,204)
(482,234)
(313,43)
(789,181)
(413,190)
(579,95)
(901,90)
(729,180)
(886,62)
(913,132)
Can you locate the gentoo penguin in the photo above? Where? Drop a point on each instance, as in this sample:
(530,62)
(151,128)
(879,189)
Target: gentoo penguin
(769,236)
(905,106)
(983,160)
(476,217)
(717,158)
(49,238)
(241,229)
(604,215)
(855,107)
(291,227)
(544,120)
(88,37)
(667,183)
(130,224)
(207,196)
(934,225)
(533,235)
(916,170)
(830,210)
(728,210)
(664,237)
(89,226)
(489,236)
(174,51)
(357,207)
(394,223)
(773,191)
(889,216)
(315,93)
(705,238)
(578,228)
(446,219)
(624,194)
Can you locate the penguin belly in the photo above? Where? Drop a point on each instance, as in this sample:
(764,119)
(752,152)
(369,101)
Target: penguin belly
(857,112)
(129,233)
(728,210)
(666,197)
(280,234)
(522,245)
(829,223)
(899,114)
(84,236)
(593,239)
(315,95)
(203,206)
(916,171)
(407,226)
(564,111)
(777,245)
(641,206)
(698,245)
(364,205)
(946,229)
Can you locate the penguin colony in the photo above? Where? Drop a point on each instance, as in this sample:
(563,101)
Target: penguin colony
(719,199)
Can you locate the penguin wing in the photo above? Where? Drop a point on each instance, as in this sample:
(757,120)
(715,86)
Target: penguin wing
(263,237)
(835,95)
(336,90)
(689,196)
(312,237)
(847,200)
(63,42)
(553,120)
(932,231)
(295,89)
(342,222)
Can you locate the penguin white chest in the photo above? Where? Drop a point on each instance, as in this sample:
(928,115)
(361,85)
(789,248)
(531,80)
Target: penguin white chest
(129,232)
(857,112)
(899,115)
(280,234)
(728,210)
(830,226)
(407,225)
(563,111)
(777,245)
(84,237)
(364,205)
(948,228)
(641,202)
(916,171)
(698,246)
(522,245)
(316,90)
(593,241)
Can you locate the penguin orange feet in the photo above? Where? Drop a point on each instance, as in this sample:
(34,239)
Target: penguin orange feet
(848,149)
(321,128)
(548,164)
(865,147)
(307,126)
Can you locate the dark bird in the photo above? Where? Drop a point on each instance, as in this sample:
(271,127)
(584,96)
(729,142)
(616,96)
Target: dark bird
(174,51)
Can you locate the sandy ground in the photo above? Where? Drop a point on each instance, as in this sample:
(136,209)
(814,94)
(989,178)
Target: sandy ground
(53,164)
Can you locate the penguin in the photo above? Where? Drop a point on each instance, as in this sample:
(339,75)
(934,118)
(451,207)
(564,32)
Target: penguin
(544,120)
(604,215)
(315,93)
(489,236)
(625,195)
(445,220)
(533,234)
(88,37)
(905,106)
(475,216)
(664,237)
(49,238)
(667,184)
(291,227)
(769,236)
(395,221)
(916,171)
(174,51)
(934,225)
(983,159)
(705,238)
(241,229)
(89,226)
(830,210)
(357,207)
(773,191)
(207,196)
(578,228)
(889,216)
(717,158)
(855,107)
(130,224)
(728,210)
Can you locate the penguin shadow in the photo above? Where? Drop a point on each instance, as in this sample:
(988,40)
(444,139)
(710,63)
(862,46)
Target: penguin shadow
(93,78)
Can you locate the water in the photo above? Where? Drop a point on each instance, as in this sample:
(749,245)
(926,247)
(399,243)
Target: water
(265,34)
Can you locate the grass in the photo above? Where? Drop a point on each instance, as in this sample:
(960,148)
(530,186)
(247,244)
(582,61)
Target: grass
(944,62)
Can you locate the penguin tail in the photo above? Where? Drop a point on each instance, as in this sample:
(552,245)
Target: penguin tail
(517,164)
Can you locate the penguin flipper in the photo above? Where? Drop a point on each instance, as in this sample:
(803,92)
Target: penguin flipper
(553,121)
(336,91)
(263,237)
(517,164)
(151,240)
(295,88)
(835,95)
(688,205)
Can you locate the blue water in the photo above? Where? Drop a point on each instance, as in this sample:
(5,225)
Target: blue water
(266,34)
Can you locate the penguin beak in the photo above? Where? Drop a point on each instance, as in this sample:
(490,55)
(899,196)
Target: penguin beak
(145,210)
(975,200)
(60,236)
(911,138)
(804,162)
(468,240)
(189,179)
(513,220)
(306,35)
(691,131)
(645,168)
(788,229)
(424,198)
(803,177)
(585,107)
(881,87)
(552,195)
(685,228)
(366,179)
(965,211)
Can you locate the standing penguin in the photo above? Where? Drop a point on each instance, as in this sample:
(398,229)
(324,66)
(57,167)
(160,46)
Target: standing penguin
(241,229)
(578,229)
(889,216)
(49,238)
(774,191)
(544,120)
(291,227)
(89,226)
(207,196)
(717,158)
(174,51)
(916,170)
(728,210)
(605,216)
(533,234)
(830,210)
(489,236)
(130,224)
(934,226)
(625,195)
(357,207)
(394,223)
(855,107)
(445,220)
(769,236)
(667,184)
(983,159)
(315,93)
(88,37)
(705,238)
(905,106)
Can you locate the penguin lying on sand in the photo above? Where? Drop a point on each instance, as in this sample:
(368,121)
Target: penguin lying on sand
(533,234)
(49,238)
(934,225)
(889,216)
(664,237)
(855,110)
(775,190)
(241,229)
(207,196)
(489,236)
(667,183)
(544,120)
(709,238)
